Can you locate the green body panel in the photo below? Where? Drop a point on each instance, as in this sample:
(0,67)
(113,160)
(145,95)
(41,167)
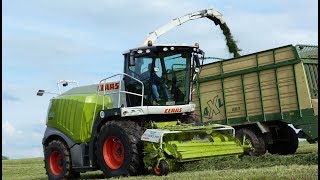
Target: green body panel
(73,114)
(273,85)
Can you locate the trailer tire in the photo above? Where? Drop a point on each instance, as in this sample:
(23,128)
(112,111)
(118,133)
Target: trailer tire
(57,161)
(256,140)
(284,142)
(162,169)
(191,119)
(312,141)
(119,149)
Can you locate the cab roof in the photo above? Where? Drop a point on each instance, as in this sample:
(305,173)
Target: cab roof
(158,47)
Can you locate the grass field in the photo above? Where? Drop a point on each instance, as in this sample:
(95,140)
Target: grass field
(302,165)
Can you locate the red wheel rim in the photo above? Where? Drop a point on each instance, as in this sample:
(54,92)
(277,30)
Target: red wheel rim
(56,163)
(113,152)
(156,170)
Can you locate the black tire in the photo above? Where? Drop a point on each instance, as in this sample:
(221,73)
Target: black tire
(58,161)
(312,141)
(285,141)
(119,149)
(191,119)
(75,175)
(162,169)
(255,138)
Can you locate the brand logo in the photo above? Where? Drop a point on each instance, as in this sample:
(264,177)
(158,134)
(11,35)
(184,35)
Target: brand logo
(173,110)
(108,87)
(213,107)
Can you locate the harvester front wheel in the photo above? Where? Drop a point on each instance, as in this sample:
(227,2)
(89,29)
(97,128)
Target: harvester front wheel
(119,148)
(285,141)
(252,138)
(58,161)
(162,169)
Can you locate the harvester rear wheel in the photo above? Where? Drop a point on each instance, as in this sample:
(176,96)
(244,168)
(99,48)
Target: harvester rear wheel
(285,141)
(252,138)
(119,148)
(57,161)
(162,169)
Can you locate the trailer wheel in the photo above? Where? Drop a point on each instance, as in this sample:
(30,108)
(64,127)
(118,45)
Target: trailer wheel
(285,141)
(57,161)
(252,138)
(312,141)
(162,169)
(191,119)
(119,148)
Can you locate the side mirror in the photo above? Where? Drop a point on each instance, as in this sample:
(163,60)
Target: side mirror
(40,92)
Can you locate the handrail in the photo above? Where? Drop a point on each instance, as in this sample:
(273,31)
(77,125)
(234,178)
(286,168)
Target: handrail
(120,91)
(66,81)
(104,81)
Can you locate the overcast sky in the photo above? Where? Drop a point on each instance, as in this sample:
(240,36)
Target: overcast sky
(47,41)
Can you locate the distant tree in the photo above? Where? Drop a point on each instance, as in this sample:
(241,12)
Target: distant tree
(5,158)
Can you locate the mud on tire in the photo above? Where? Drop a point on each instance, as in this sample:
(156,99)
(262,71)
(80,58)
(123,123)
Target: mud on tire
(253,137)
(58,161)
(119,148)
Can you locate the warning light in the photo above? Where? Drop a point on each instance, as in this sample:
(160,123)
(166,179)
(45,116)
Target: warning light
(196,45)
(149,43)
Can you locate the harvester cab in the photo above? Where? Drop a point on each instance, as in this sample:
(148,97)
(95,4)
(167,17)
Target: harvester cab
(165,72)
(157,82)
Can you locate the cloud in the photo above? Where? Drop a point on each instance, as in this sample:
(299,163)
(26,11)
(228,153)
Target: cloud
(257,31)
(9,97)
(8,129)
(42,49)
(22,144)
(30,152)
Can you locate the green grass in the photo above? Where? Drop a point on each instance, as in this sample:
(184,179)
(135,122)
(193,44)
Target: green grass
(302,165)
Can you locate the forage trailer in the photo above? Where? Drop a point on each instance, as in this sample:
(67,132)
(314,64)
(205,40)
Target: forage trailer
(260,94)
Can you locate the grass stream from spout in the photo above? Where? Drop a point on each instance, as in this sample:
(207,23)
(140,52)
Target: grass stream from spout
(230,42)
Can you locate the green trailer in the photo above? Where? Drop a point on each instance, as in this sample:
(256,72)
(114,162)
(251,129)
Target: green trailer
(260,94)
